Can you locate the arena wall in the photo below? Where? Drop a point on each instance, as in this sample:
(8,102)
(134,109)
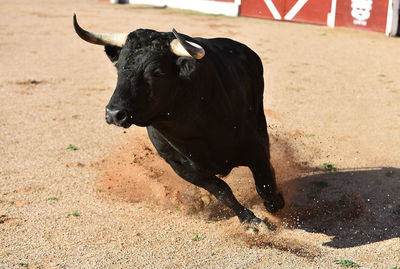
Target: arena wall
(371,15)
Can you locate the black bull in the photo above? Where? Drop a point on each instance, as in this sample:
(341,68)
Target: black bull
(201,101)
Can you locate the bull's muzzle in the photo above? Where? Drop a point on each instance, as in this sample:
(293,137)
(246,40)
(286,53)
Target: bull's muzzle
(117,117)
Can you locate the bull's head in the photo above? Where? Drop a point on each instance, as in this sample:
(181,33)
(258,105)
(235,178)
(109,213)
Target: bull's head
(150,67)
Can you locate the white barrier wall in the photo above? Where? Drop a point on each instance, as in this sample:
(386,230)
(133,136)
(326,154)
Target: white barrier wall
(217,7)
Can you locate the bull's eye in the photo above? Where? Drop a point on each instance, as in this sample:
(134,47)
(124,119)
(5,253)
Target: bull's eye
(157,72)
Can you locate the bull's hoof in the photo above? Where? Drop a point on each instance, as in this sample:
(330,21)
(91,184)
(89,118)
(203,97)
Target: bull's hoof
(276,204)
(256,226)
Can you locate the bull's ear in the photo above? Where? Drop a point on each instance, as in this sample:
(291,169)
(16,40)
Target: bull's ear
(188,67)
(112,53)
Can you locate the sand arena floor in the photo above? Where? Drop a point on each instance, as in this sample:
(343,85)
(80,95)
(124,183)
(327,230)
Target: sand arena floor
(332,96)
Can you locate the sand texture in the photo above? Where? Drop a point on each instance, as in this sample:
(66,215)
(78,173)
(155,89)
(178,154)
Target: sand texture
(332,97)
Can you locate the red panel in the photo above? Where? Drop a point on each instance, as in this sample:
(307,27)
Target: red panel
(362,14)
(314,11)
(258,8)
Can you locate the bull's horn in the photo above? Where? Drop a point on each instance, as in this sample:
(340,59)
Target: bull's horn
(110,39)
(181,47)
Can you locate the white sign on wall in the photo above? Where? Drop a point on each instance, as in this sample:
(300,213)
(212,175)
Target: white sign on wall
(361,11)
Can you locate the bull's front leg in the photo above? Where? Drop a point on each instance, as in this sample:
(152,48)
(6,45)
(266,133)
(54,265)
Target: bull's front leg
(216,186)
(220,190)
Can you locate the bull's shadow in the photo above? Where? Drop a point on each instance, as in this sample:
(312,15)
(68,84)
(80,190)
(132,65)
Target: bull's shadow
(356,207)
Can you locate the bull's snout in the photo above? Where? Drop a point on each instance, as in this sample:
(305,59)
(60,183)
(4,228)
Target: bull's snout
(117,117)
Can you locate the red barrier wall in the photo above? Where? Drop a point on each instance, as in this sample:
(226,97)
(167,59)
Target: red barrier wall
(308,11)
(369,15)
(259,9)
(313,11)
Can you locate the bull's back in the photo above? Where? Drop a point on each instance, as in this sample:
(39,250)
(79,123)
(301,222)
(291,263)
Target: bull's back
(236,63)
(239,71)
(237,87)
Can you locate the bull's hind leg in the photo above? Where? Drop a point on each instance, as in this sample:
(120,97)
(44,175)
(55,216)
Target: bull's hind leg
(263,172)
(264,176)
(216,186)
(266,187)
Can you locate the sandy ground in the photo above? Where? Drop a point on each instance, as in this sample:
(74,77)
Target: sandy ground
(332,96)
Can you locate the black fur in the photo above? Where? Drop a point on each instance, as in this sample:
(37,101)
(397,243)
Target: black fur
(204,116)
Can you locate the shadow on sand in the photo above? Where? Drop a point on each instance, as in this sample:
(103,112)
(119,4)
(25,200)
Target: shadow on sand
(356,207)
